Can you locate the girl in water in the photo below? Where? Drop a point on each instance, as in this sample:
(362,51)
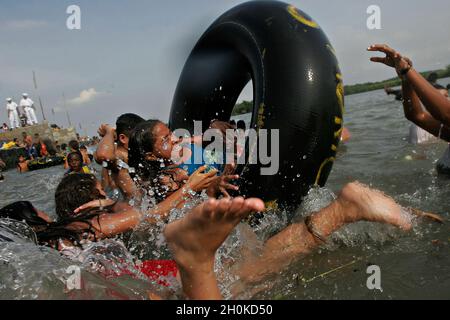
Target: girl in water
(160,162)
(194,238)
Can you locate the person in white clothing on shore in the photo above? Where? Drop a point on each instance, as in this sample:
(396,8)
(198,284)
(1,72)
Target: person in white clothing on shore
(13,115)
(28,106)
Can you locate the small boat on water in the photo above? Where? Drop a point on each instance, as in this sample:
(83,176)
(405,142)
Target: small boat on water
(42,163)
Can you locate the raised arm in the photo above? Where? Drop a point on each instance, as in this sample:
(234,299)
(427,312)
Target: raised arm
(123,217)
(197,182)
(415,113)
(434,102)
(437,105)
(125,183)
(106,150)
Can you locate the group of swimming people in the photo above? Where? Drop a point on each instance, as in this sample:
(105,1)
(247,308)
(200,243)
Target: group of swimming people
(136,159)
(37,148)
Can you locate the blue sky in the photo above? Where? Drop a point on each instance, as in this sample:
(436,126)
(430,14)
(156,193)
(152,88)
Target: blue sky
(128,55)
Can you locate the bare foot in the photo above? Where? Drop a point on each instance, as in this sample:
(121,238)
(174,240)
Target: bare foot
(372,205)
(195,238)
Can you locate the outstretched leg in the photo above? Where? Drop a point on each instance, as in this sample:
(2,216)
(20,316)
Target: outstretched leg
(356,202)
(195,238)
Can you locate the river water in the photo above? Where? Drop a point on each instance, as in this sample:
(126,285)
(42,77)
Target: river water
(412,265)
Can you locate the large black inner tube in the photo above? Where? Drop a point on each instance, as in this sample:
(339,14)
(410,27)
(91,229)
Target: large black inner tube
(297,88)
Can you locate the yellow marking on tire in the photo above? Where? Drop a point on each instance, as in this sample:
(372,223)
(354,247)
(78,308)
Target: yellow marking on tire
(340,93)
(330,159)
(337,120)
(296,14)
(329,47)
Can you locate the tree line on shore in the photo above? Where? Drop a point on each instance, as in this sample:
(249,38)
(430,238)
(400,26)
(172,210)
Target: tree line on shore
(393,82)
(247,106)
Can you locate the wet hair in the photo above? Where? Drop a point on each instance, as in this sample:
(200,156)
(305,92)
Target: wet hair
(75,154)
(126,123)
(73,191)
(142,141)
(22,211)
(448,87)
(83,147)
(241,124)
(432,77)
(74,145)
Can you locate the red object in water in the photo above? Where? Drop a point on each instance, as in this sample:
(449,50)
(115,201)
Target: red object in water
(157,269)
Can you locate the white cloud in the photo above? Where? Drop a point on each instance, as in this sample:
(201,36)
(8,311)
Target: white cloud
(85,96)
(24,24)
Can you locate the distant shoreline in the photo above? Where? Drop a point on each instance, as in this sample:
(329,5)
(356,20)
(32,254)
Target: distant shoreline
(392,82)
(247,106)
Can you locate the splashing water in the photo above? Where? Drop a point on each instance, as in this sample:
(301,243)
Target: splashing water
(413,265)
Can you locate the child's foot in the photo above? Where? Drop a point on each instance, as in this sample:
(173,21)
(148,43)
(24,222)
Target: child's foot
(373,205)
(195,238)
